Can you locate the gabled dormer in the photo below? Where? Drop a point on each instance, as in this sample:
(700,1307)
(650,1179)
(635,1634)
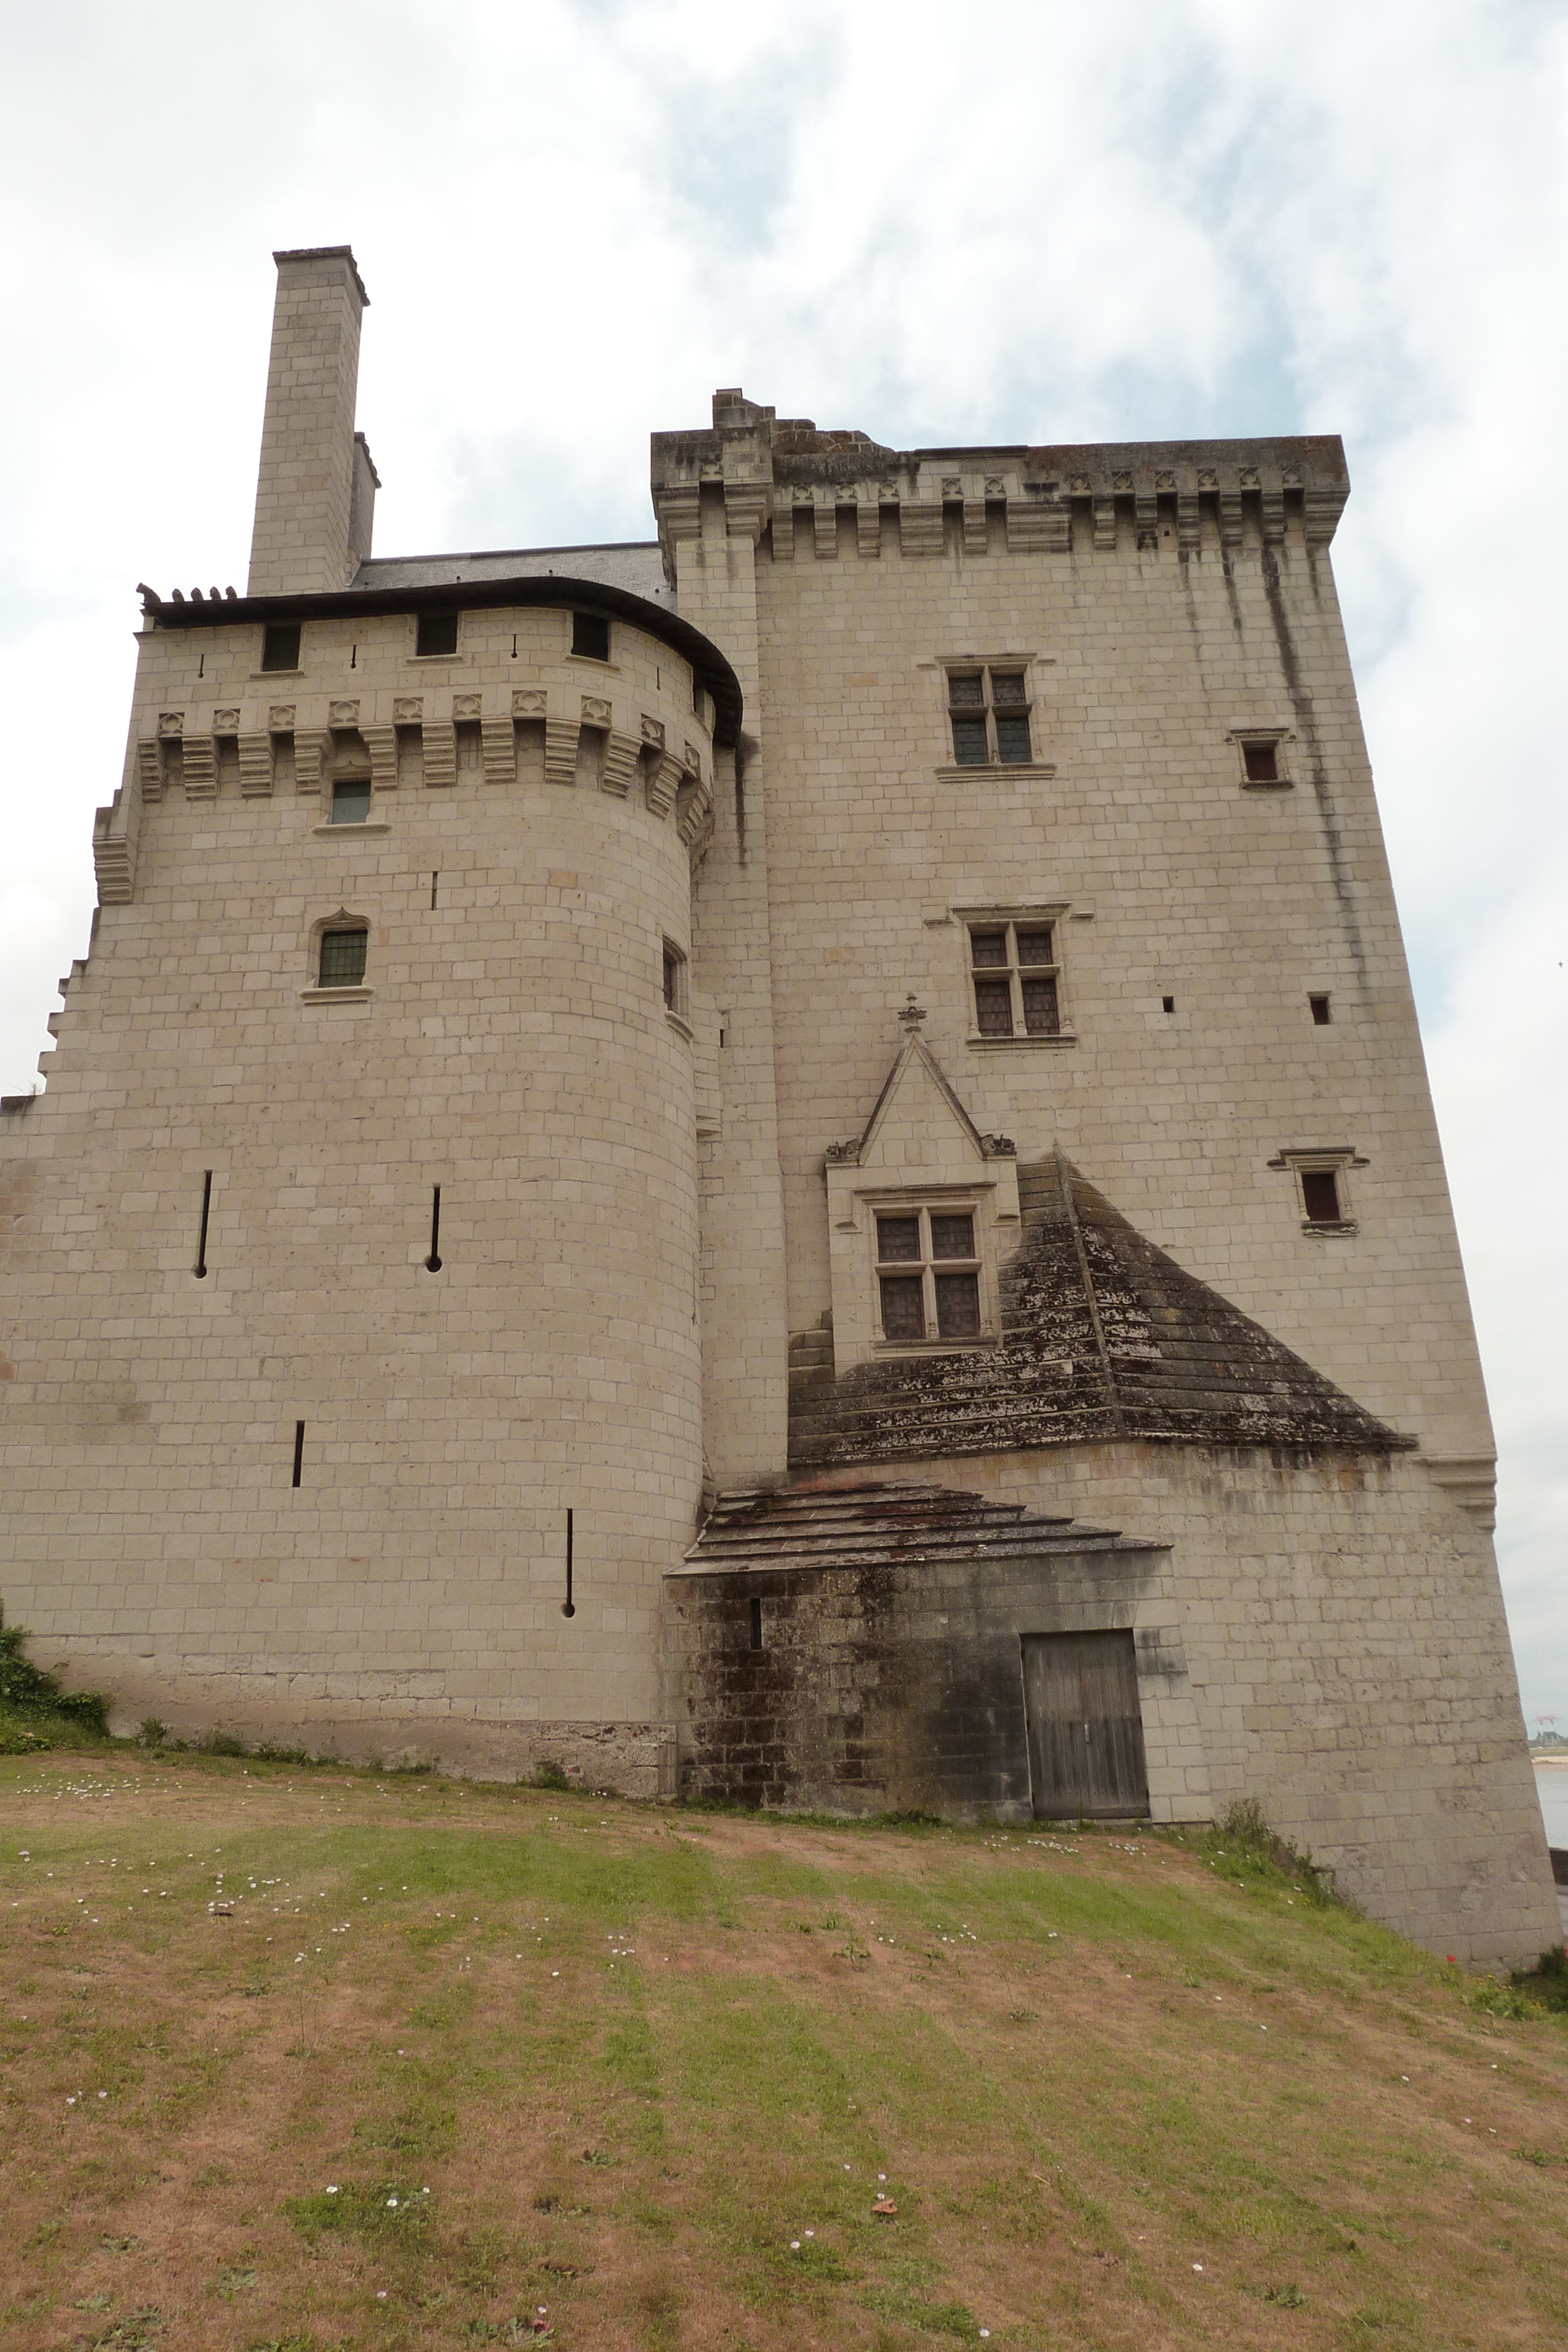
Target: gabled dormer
(922,1209)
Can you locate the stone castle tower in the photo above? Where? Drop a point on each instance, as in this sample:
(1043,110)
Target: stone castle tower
(792,1161)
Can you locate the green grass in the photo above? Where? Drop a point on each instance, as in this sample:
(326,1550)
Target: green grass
(649,2071)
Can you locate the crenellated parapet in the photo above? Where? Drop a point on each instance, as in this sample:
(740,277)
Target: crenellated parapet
(827,494)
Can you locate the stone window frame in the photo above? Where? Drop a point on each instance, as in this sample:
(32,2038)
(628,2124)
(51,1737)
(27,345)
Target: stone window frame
(677,985)
(1051,916)
(1278,740)
(923,1201)
(1335,1160)
(343,919)
(993,715)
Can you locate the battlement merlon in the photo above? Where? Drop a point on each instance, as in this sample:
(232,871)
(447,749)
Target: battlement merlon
(752,469)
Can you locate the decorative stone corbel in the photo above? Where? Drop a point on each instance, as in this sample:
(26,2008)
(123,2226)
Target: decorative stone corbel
(665,780)
(621,753)
(438,742)
(560,750)
(312,749)
(255,766)
(380,742)
(499,738)
(200,768)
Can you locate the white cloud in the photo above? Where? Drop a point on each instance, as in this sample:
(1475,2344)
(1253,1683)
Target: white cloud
(1016,221)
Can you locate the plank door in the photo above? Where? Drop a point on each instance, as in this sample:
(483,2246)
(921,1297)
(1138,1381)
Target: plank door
(1085,1730)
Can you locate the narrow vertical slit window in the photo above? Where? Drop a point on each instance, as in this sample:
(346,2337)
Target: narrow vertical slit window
(756,1622)
(568,1607)
(675,968)
(299,1450)
(201,1265)
(434,880)
(433,1262)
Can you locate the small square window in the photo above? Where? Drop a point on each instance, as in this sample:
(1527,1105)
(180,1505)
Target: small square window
(281,646)
(1319,1010)
(351,800)
(435,633)
(1261,761)
(989,713)
(343,958)
(1319,1196)
(590,639)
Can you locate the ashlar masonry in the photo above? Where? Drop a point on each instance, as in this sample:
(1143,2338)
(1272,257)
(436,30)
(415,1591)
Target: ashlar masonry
(790,1161)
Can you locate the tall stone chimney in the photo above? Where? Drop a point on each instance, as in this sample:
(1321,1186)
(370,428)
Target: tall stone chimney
(316,485)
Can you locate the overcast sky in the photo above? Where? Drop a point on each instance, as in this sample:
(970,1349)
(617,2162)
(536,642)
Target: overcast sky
(1016,220)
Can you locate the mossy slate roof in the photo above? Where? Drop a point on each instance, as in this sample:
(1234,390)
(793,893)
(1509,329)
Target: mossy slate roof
(1104,1337)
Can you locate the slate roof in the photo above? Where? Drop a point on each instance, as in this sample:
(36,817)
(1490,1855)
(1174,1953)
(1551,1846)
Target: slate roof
(875,1526)
(1104,1337)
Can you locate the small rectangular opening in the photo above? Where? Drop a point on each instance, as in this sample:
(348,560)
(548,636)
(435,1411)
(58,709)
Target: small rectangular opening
(343,959)
(299,1450)
(435,633)
(352,800)
(1319,1196)
(1167,1004)
(1262,762)
(1320,1005)
(590,637)
(756,1622)
(281,646)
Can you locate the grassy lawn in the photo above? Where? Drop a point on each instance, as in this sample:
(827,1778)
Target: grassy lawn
(461,2065)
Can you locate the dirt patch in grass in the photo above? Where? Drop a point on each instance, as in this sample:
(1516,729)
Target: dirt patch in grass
(308,2059)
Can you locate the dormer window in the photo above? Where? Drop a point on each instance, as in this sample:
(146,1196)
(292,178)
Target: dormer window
(989,713)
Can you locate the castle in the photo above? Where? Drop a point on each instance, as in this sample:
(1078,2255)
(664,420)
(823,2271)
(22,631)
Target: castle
(792,1161)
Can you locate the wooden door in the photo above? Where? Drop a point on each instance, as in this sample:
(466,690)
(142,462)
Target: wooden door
(1085,1732)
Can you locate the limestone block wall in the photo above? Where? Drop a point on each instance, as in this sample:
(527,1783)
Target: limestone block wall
(1149,653)
(527,859)
(1335,1632)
